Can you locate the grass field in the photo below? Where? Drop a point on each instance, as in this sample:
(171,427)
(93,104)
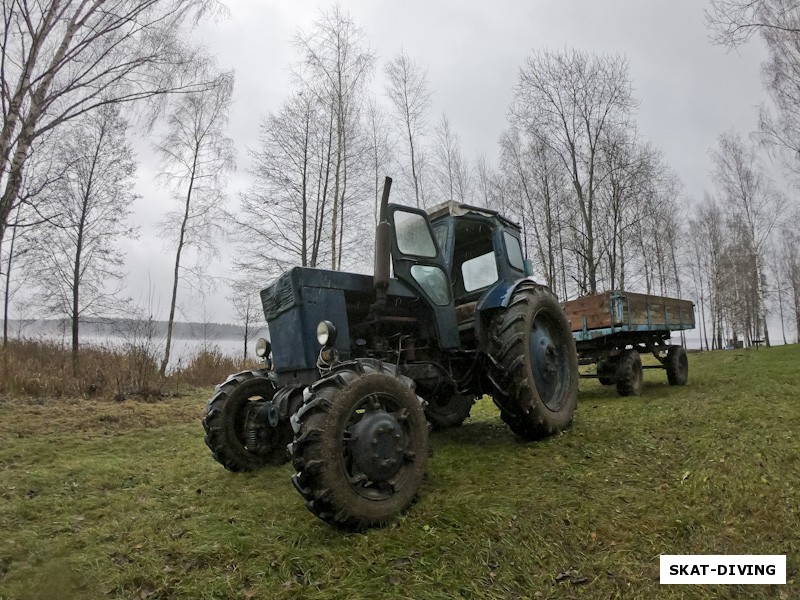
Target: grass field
(100,499)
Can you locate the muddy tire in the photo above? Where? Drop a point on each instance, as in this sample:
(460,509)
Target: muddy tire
(677,366)
(228,424)
(533,364)
(605,372)
(360,445)
(449,411)
(629,374)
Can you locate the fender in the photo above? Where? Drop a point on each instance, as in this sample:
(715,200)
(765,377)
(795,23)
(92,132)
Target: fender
(498,296)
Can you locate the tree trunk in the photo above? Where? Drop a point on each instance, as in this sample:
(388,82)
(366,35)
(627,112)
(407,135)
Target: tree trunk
(176,275)
(7,292)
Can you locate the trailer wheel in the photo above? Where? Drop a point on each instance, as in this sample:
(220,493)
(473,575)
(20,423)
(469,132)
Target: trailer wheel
(605,372)
(360,445)
(533,364)
(236,441)
(677,366)
(446,412)
(629,374)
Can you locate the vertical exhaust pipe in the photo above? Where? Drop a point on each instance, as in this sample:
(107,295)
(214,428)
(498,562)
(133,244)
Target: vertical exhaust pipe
(382,249)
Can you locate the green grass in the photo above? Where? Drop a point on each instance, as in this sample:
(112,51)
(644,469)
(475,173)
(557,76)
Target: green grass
(123,500)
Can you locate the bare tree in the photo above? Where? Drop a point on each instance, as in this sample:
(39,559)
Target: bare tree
(60,59)
(197,158)
(410,96)
(451,169)
(790,267)
(708,237)
(537,182)
(381,149)
(569,100)
(335,66)
(36,204)
(285,210)
(244,299)
(14,255)
(733,22)
(756,206)
(79,264)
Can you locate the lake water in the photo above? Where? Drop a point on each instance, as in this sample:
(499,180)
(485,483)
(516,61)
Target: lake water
(182,348)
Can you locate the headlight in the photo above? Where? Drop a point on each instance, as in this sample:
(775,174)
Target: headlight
(262,347)
(326,334)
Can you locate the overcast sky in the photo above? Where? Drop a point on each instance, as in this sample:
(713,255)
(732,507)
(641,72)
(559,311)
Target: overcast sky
(689,90)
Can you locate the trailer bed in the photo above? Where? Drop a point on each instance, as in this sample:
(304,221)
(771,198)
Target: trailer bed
(612,329)
(611,313)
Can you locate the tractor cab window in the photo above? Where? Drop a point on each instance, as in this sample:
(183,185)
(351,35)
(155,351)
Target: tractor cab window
(413,235)
(474,261)
(514,252)
(479,272)
(433,280)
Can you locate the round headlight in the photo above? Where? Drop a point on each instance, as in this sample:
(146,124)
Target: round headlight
(262,347)
(326,333)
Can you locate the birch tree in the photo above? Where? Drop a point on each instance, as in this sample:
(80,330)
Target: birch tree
(335,66)
(247,308)
(743,183)
(789,254)
(568,100)
(410,97)
(381,149)
(37,204)
(285,212)
(79,263)
(60,59)
(197,158)
(452,174)
(538,181)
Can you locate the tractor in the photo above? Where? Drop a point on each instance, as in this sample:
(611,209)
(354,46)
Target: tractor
(359,368)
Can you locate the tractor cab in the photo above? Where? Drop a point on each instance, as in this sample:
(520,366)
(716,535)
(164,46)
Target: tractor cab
(460,258)
(480,248)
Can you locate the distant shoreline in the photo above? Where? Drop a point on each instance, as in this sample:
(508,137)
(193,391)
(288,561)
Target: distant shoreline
(124,328)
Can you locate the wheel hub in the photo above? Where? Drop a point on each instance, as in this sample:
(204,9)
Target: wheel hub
(545,353)
(547,362)
(377,445)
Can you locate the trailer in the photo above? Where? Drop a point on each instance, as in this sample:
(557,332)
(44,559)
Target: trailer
(613,329)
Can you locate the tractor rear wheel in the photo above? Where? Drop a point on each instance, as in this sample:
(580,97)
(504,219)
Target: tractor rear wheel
(533,364)
(360,445)
(677,365)
(629,374)
(236,439)
(448,411)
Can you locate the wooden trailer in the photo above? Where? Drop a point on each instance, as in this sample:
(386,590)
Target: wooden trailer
(612,329)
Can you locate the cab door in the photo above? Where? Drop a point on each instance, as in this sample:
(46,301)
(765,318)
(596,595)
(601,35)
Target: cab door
(418,262)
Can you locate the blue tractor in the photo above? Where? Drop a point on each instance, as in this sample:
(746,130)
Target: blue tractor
(358,366)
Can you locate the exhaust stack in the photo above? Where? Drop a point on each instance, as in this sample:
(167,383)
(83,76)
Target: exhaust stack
(382,248)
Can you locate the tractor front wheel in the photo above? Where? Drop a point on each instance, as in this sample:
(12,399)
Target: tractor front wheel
(360,445)
(234,432)
(533,363)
